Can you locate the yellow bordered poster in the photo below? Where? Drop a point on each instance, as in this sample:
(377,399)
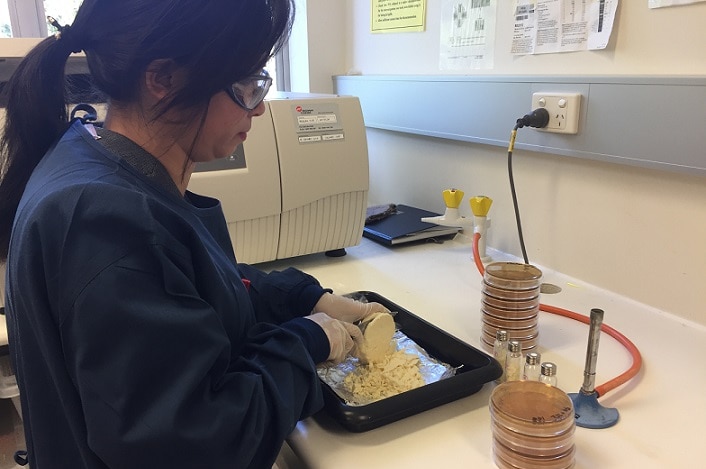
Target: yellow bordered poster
(395,16)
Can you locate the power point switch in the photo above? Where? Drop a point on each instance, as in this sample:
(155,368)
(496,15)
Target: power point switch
(563,111)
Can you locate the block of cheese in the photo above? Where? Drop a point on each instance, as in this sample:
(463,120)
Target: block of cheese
(378,330)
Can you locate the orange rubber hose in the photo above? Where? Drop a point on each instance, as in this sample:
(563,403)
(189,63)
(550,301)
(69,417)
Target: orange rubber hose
(624,341)
(476,254)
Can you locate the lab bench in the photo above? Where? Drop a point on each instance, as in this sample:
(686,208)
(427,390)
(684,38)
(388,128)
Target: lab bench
(661,409)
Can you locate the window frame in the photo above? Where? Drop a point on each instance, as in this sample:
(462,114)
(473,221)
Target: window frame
(27,18)
(282,69)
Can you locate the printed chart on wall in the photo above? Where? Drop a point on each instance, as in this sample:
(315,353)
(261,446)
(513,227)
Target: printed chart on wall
(467,34)
(397,16)
(550,26)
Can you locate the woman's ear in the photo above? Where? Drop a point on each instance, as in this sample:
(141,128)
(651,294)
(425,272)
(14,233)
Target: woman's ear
(161,78)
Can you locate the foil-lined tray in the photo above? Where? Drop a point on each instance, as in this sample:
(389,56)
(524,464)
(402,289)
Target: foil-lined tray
(458,370)
(430,371)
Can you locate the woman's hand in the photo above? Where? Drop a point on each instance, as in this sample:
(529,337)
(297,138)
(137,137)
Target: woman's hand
(346,309)
(341,335)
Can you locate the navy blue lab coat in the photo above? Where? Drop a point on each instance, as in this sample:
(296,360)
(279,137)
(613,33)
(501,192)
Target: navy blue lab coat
(135,341)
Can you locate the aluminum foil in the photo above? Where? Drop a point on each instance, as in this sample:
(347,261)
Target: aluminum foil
(431,369)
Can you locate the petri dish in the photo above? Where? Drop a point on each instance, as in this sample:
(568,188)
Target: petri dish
(531,445)
(521,335)
(506,458)
(532,408)
(509,293)
(509,313)
(510,304)
(527,345)
(500,323)
(512,275)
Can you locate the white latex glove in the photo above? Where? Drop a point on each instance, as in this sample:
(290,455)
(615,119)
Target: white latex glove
(346,309)
(341,335)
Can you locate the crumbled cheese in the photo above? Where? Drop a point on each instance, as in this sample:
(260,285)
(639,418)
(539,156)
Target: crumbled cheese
(396,373)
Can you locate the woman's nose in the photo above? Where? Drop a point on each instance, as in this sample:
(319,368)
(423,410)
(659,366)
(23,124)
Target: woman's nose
(259,110)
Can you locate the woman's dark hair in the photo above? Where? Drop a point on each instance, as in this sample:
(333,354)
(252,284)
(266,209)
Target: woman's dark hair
(217,42)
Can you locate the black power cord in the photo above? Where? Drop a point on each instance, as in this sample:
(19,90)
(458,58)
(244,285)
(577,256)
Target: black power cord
(538,118)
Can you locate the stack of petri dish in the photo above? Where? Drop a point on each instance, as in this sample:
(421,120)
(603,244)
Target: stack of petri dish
(510,302)
(533,426)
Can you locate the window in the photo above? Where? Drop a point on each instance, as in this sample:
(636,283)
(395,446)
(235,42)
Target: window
(27,18)
(63,10)
(278,68)
(5,27)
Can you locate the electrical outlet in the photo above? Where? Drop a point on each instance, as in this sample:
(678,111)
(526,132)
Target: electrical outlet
(563,111)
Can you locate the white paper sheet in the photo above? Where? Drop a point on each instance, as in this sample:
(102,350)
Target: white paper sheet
(467,34)
(551,26)
(670,3)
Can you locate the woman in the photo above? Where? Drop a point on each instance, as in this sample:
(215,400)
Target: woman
(137,339)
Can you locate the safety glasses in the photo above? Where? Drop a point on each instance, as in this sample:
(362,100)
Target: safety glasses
(249,92)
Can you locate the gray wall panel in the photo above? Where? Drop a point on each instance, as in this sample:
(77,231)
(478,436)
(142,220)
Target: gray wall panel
(655,122)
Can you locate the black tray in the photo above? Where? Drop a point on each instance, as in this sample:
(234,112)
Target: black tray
(477,368)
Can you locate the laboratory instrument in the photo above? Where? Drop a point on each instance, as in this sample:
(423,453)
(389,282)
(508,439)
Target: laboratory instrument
(299,183)
(451,216)
(589,412)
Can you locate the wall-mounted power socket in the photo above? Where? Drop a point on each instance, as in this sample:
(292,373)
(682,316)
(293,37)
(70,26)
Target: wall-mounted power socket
(563,111)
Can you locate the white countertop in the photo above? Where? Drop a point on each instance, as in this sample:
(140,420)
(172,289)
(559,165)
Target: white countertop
(661,410)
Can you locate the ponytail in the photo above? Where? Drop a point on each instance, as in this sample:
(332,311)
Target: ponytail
(36,117)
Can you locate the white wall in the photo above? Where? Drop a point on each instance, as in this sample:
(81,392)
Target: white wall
(634,231)
(317,45)
(665,41)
